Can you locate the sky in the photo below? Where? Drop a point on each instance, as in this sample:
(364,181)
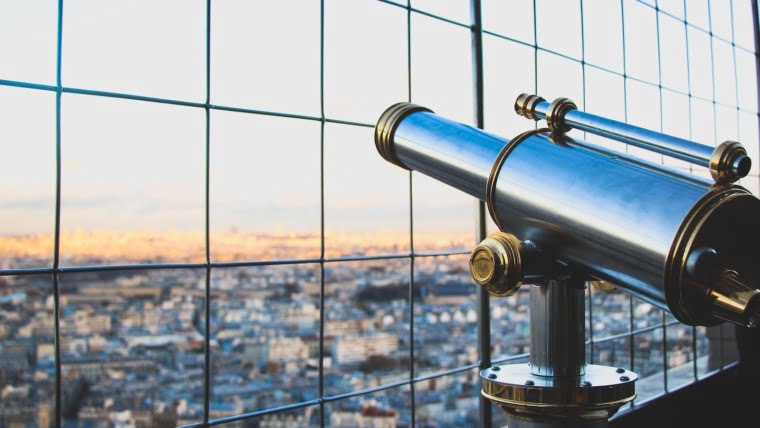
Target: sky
(131,165)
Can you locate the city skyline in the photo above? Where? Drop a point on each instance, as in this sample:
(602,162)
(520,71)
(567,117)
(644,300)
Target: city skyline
(132,342)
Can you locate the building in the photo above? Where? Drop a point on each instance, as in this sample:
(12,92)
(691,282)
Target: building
(348,349)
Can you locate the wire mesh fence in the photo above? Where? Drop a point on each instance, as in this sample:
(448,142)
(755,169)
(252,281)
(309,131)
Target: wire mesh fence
(320,307)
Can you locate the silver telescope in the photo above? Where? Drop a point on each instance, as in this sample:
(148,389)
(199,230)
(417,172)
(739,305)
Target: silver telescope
(676,240)
(569,212)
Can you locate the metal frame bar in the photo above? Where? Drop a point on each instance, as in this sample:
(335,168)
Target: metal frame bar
(207,229)
(482,297)
(484,339)
(659,96)
(322,287)
(57,226)
(688,85)
(412,260)
(715,139)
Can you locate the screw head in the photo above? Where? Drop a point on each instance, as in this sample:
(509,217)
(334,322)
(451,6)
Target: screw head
(586,383)
(496,368)
(620,370)
(624,378)
(529,382)
(492,376)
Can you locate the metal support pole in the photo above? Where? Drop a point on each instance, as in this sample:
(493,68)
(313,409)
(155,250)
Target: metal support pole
(557,388)
(521,423)
(557,345)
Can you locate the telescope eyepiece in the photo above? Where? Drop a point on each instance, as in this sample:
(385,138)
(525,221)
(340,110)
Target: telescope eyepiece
(741,165)
(729,162)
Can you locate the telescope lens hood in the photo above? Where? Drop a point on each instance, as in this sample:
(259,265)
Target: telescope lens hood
(386,126)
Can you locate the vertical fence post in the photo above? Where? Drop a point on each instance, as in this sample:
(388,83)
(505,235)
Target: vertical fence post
(484,312)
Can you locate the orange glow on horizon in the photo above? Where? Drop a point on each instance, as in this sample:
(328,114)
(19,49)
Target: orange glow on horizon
(186,246)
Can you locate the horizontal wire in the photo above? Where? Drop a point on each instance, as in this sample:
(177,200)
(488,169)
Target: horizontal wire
(260,413)
(196,425)
(635,332)
(510,358)
(218,107)
(182,103)
(696,27)
(223,265)
(136,97)
(426,13)
(619,74)
(28,85)
(344,396)
(397,384)
(649,400)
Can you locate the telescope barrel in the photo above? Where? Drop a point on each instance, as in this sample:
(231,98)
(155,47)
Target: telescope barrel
(461,156)
(727,163)
(648,229)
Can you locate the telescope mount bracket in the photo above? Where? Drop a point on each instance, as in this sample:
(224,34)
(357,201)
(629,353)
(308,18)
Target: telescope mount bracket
(556,388)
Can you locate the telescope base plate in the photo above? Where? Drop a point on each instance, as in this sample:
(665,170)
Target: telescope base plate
(595,395)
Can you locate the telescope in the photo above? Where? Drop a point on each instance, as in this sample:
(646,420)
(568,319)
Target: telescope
(570,212)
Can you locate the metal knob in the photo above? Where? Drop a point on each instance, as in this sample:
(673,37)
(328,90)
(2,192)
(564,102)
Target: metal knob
(729,163)
(496,264)
(525,105)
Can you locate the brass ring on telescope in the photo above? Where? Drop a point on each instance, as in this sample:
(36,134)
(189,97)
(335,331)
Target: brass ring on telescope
(680,300)
(555,114)
(722,161)
(496,169)
(525,105)
(386,126)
